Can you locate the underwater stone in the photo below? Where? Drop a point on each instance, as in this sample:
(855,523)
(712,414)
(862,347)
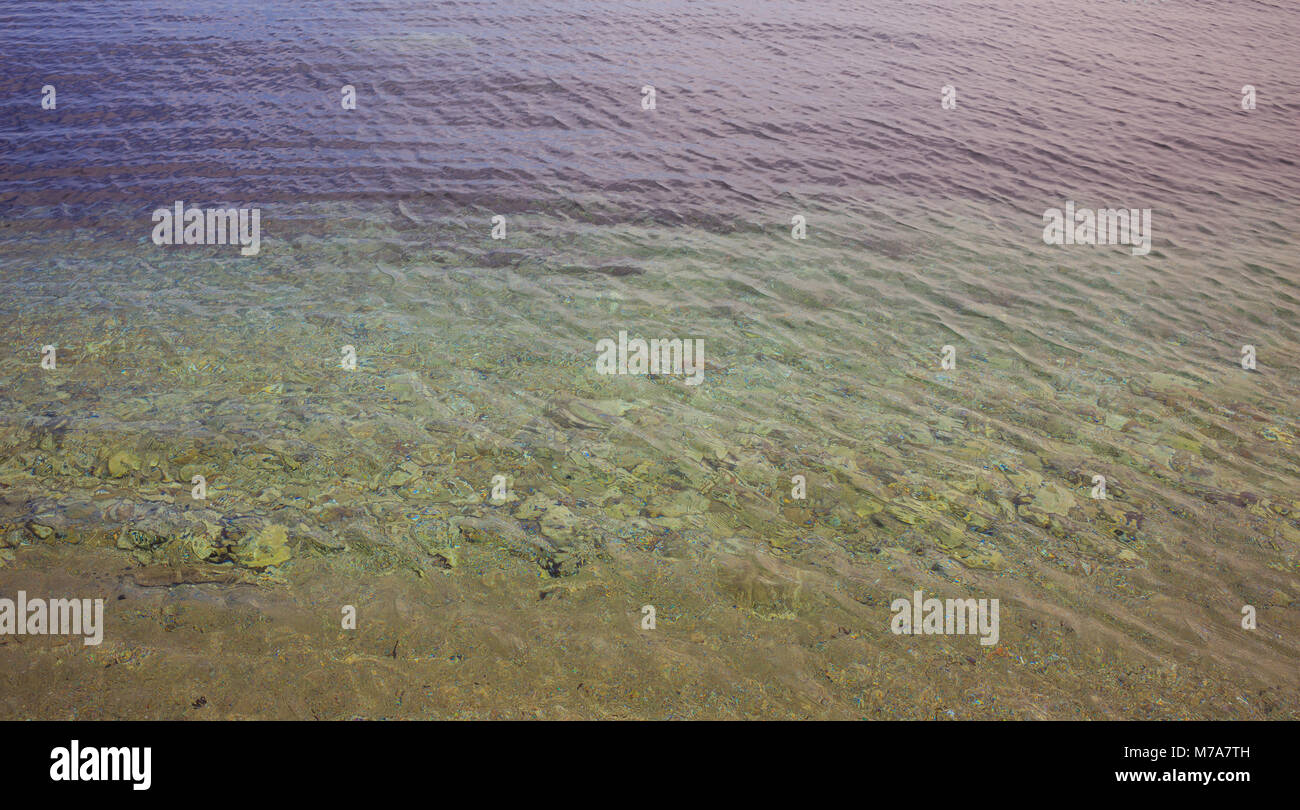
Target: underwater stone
(559,524)
(764,586)
(122,462)
(268,547)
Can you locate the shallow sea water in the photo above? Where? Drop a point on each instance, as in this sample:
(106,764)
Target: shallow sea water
(476,358)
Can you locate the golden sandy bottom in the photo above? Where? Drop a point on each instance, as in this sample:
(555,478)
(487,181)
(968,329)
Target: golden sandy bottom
(745,636)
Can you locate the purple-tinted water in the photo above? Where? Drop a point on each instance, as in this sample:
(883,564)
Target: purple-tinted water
(833,103)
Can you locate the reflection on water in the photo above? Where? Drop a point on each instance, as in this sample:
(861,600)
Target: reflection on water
(476,357)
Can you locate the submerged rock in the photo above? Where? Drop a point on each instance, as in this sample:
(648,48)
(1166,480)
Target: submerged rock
(122,462)
(559,524)
(264,549)
(763,585)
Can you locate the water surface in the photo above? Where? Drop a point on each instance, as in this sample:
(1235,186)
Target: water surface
(477,356)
